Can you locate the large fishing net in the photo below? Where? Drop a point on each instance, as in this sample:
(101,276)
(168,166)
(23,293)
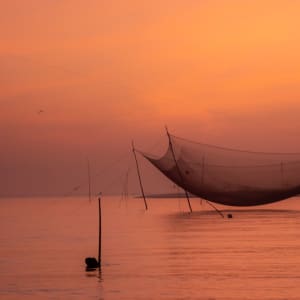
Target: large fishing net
(228,176)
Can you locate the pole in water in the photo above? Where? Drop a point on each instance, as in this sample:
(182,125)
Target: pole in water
(100,232)
(218,211)
(139,175)
(91,262)
(178,169)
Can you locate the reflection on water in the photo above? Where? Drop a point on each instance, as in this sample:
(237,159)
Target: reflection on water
(165,253)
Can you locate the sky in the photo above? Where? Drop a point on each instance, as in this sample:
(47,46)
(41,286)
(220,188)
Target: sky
(105,73)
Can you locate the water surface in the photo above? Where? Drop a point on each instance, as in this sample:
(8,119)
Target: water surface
(164,253)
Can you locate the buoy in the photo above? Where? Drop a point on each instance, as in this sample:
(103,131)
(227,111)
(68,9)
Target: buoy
(91,263)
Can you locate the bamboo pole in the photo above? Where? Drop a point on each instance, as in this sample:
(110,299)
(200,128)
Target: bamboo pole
(100,232)
(91,262)
(218,211)
(139,176)
(178,169)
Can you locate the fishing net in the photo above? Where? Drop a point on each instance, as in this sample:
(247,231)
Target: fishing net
(228,176)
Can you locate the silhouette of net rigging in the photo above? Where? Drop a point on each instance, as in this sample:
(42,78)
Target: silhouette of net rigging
(228,176)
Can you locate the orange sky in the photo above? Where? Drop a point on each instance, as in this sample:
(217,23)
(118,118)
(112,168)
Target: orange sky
(105,72)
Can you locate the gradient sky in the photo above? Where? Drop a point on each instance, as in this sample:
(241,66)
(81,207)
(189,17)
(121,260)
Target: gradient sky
(225,72)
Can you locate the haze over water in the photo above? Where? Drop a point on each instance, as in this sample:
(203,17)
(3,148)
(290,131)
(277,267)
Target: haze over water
(164,253)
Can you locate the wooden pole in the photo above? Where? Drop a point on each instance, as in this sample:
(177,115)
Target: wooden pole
(91,262)
(178,169)
(218,211)
(100,232)
(139,176)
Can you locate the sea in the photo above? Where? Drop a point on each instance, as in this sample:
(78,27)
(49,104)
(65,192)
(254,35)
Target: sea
(162,253)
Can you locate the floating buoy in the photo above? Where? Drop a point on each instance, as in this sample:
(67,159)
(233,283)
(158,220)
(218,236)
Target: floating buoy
(91,263)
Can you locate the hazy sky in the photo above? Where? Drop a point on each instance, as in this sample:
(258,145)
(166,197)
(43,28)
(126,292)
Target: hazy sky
(106,72)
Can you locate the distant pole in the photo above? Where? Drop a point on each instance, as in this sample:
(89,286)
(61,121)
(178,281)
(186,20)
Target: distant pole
(178,169)
(100,232)
(218,211)
(89,179)
(139,176)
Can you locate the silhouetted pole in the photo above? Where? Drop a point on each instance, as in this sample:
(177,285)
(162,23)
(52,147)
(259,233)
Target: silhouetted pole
(139,176)
(218,211)
(91,262)
(178,169)
(100,232)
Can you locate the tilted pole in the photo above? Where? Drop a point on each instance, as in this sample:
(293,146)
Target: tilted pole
(218,211)
(178,169)
(139,176)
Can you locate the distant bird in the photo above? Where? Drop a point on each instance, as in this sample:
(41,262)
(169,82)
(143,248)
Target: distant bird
(40,111)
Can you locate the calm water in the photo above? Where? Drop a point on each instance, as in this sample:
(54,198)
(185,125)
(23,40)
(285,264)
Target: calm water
(164,253)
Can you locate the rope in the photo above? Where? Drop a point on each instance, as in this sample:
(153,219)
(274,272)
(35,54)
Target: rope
(234,150)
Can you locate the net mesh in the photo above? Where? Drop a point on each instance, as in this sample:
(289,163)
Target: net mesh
(228,176)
